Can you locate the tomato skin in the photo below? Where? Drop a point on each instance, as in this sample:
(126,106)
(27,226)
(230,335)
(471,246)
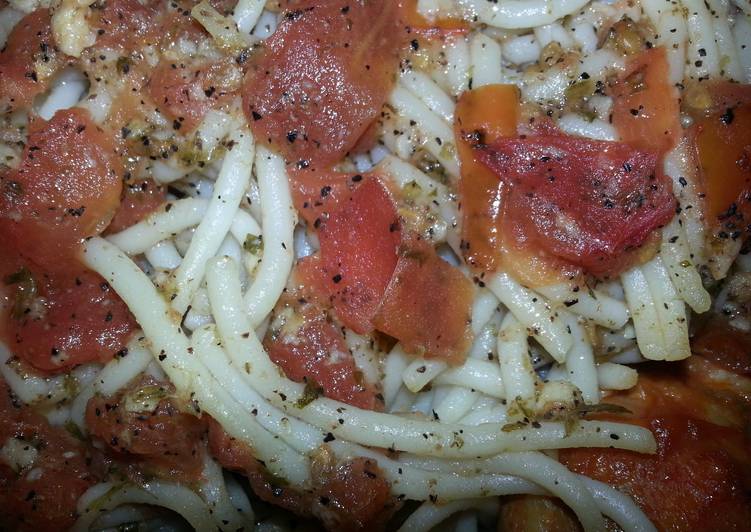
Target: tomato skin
(411,18)
(140,199)
(700,476)
(83,321)
(322,77)
(357,265)
(647,117)
(67,188)
(487,114)
(351,495)
(164,441)
(586,202)
(186,92)
(724,345)
(29,43)
(47,502)
(315,352)
(427,305)
(723,145)
(123,24)
(316,193)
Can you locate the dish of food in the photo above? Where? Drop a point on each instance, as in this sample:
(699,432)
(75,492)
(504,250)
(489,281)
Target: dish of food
(375,265)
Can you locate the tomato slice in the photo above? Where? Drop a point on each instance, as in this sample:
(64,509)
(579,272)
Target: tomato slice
(143,428)
(140,198)
(185,92)
(67,188)
(82,320)
(322,77)
(723,144)
(417,23)
(586,202)
(646,108)
(47,499)
(124,24)
(359,244)
(316,194)
(699,477)
(351,495)
(427,305)
(29,45)
(484,115)
(315,351)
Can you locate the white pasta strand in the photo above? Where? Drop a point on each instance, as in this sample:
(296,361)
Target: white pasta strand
(520,13)
(300,436)
(703,58)
(228,191)
(730,66)
(592,304)
(475,374)
(580,363)
(163,255)
(533,312)
(485,54)
(742,36)
(420,372)
(672,33)
(455,405)
(106,496)
(278,221)
(421,86)
(214,492)
(439,138)
(191,378)
(618,507)
(172,218)
(247,13)
(616,376)
(670,308)
(519,376)
(393,369)
(430,515)
(457,68)
(379,429)
(676,255)
(641,304)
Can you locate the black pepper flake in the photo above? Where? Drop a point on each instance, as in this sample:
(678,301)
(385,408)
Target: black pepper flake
(337,278)
(329,437)
(325,191)
(415,45)
(615,437)
(291,136)
(256,116)
(727,117)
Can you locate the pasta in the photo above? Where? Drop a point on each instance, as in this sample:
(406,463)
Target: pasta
(367,254)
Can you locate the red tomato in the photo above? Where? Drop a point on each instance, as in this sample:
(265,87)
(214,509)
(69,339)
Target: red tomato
(124,24)
(646,108)
(723,144)
(158,439)
(140,198)
(411,18)
(724,345)
(351,495)
(322,77)
(67,188)
(699,478)
(427,305)
(359,245)
(29,45)
(82,320)
(186,92)
(316,194)
(48,502)
(483,115)
(315,351)
(586,202)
